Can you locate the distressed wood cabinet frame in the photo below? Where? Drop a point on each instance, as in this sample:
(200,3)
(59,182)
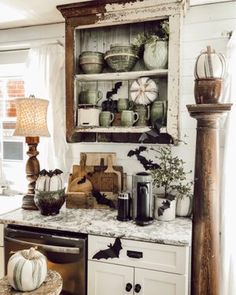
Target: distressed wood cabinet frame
(117,12)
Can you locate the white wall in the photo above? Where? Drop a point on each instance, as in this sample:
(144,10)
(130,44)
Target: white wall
(203,25)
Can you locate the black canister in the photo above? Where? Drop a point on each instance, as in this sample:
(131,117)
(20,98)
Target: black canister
(123,206)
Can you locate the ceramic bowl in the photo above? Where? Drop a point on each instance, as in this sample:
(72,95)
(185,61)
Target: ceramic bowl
(121,58)
(49,202)
(91,62)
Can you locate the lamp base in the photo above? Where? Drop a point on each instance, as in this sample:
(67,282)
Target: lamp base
(28,202)
(32,172)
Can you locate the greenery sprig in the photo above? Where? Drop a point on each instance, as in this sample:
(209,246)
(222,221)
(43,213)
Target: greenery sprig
(160,33)
(171,175)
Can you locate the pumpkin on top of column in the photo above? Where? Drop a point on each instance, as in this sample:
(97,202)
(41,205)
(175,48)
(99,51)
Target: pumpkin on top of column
(209,75)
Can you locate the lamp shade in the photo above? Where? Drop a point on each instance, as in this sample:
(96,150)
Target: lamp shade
(31,117)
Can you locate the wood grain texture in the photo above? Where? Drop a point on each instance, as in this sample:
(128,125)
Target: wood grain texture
(206,235)
(32,172)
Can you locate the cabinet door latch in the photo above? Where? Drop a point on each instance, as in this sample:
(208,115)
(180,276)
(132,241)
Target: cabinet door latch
(134,254)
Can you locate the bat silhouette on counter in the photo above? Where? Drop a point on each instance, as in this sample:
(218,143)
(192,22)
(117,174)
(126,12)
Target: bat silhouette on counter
(101,199)
(113,251)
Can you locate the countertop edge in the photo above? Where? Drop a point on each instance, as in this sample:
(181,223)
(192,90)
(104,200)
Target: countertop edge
(89,226)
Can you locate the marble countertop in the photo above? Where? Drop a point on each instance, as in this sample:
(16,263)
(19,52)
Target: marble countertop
(103,222)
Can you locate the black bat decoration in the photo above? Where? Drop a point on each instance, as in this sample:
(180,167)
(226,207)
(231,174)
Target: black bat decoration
(82,180)
(101,199)
(147,164)
(114,89)
(113,251)
(165,205)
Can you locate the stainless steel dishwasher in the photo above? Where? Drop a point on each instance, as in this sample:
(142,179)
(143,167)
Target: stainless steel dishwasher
(66,253)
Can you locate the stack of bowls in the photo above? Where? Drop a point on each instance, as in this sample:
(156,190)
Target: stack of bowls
(91,62)
(121,58)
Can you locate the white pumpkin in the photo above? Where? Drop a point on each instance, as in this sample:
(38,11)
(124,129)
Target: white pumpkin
(27,270)
(209,64)
(143,91)
(49,180)
(184,206)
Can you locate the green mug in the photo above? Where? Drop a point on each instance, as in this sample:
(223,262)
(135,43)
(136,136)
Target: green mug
(144,114)
(159,112)
(128,118)
(124,104)
(106,118)
(90,97)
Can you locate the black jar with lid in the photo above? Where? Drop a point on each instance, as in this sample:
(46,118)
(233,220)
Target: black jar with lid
(123,206)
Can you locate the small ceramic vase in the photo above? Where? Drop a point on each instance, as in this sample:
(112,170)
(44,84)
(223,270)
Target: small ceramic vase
(168,214)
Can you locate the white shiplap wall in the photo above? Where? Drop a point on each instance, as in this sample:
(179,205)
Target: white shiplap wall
(203,25)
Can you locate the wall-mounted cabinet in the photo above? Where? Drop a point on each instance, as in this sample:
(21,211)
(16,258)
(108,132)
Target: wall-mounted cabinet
(106,27)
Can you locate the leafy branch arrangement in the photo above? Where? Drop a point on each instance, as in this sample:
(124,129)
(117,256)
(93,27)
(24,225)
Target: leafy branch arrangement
(160,33)
(171,175)
(168,174)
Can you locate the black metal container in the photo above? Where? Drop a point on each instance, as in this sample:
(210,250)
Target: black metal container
(123,206)
(142,198)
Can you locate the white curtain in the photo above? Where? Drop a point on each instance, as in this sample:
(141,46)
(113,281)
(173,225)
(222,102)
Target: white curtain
(45,78)
(228,193)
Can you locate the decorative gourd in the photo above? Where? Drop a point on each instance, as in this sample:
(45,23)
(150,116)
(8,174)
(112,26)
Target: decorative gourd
(143,91)
(49,180)
(27,270)
(184,206)
(209,65)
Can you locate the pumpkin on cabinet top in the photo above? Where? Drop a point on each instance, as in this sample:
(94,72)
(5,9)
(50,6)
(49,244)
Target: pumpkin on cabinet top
(209,65)
(27,270)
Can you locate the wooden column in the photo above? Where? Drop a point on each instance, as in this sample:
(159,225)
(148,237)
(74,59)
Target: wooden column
(32,172)
(205,235)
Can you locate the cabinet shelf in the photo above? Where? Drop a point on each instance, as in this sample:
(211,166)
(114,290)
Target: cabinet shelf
(114,129)
(121,75)
(89,29)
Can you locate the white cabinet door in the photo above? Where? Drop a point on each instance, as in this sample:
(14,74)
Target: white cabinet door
(107,279)
(159,283)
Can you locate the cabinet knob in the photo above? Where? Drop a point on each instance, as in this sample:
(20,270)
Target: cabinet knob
(137,288)
(128,287)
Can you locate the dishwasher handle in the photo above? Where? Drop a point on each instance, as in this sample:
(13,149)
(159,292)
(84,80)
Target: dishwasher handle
(57,249)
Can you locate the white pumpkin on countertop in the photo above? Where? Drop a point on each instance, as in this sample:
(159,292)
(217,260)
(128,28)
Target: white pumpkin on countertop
(49,180)
(27,270)
(209,65)
(184,206)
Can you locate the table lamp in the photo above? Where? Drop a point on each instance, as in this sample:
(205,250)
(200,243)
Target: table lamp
(31,122)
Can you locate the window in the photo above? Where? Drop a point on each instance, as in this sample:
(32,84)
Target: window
(12,148)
